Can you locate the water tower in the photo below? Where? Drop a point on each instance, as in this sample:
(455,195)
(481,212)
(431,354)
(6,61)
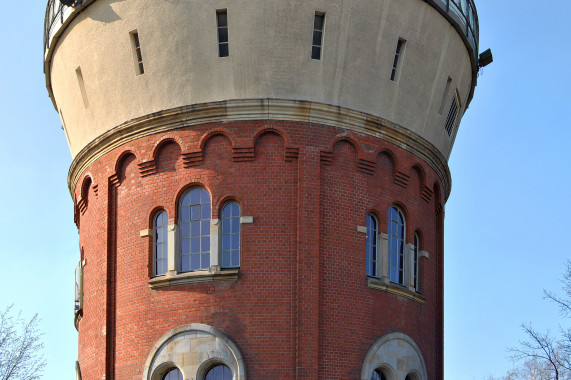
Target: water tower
(259,186)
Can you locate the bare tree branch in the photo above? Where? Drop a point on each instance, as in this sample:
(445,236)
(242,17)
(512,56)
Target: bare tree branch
(21,347)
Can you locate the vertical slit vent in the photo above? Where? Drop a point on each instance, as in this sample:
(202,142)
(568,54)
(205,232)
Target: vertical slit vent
(137,55)
(222,22)
(82,87)
(451,116)
(445,96)
(318,24)
(397,62)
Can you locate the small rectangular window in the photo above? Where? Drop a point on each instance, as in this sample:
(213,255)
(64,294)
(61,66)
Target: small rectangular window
(318,24)
(445,96)
(451,119)
(397,62)
(82,87)
(222,22)
(137,55)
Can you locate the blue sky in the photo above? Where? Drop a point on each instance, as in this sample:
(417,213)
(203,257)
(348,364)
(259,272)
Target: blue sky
(505,219)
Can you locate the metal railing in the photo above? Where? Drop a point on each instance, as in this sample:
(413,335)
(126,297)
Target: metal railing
(56,15)
(461,13)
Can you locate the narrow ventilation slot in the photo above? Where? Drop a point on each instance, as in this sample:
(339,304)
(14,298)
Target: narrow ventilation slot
(451,119)
(137,55)
(82,87)
(397,62)
(445,96)
(318,24)
(222,22)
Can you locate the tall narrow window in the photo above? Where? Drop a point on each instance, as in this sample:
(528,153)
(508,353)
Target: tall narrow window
(231,235)
(397,62)
(318,24)
(161,243)
(222,20)
(451,119)
(371,265)
(445,96)
(396,246)
(415,262)
(137,56)
(194,224)
(82,87)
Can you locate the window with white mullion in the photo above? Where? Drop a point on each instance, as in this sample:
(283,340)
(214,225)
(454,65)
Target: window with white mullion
(194,224)
(160,243)
(371,246)
(230,235)
(396,246)
(318,24)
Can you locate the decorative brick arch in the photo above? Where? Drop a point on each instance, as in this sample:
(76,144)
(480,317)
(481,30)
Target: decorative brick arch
(215,132)
(165,140)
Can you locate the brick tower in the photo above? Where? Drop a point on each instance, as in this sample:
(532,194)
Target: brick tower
(259,186)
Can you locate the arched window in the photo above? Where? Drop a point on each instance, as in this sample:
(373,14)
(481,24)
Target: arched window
(230,235)
(172,374)
(160,224)
(396,246)
(371,246)
(219,372)
(416,262)
(194,224)
(378,375)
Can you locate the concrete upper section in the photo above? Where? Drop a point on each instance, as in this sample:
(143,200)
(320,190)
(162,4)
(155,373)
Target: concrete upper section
(94,79)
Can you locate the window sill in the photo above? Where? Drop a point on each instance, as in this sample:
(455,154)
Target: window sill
(376,283)
(212,274)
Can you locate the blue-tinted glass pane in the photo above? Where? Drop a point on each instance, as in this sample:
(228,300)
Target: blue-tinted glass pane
(185,231)
(227,210)
(185,214)
(205,260)
(225,259)
(225,225)
(185,263)
(205,198)
(195,196)
(195,213)
(194,262)
(235,209)
(205,245)
(235,258)
(376,376)
(186,200)
(236,242)
(206,211)
(235,225)
(195,229)
(205,227)
(195,245)
(185,246)
(225,242)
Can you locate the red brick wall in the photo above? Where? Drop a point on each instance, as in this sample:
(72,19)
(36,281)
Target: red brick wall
(301,307)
